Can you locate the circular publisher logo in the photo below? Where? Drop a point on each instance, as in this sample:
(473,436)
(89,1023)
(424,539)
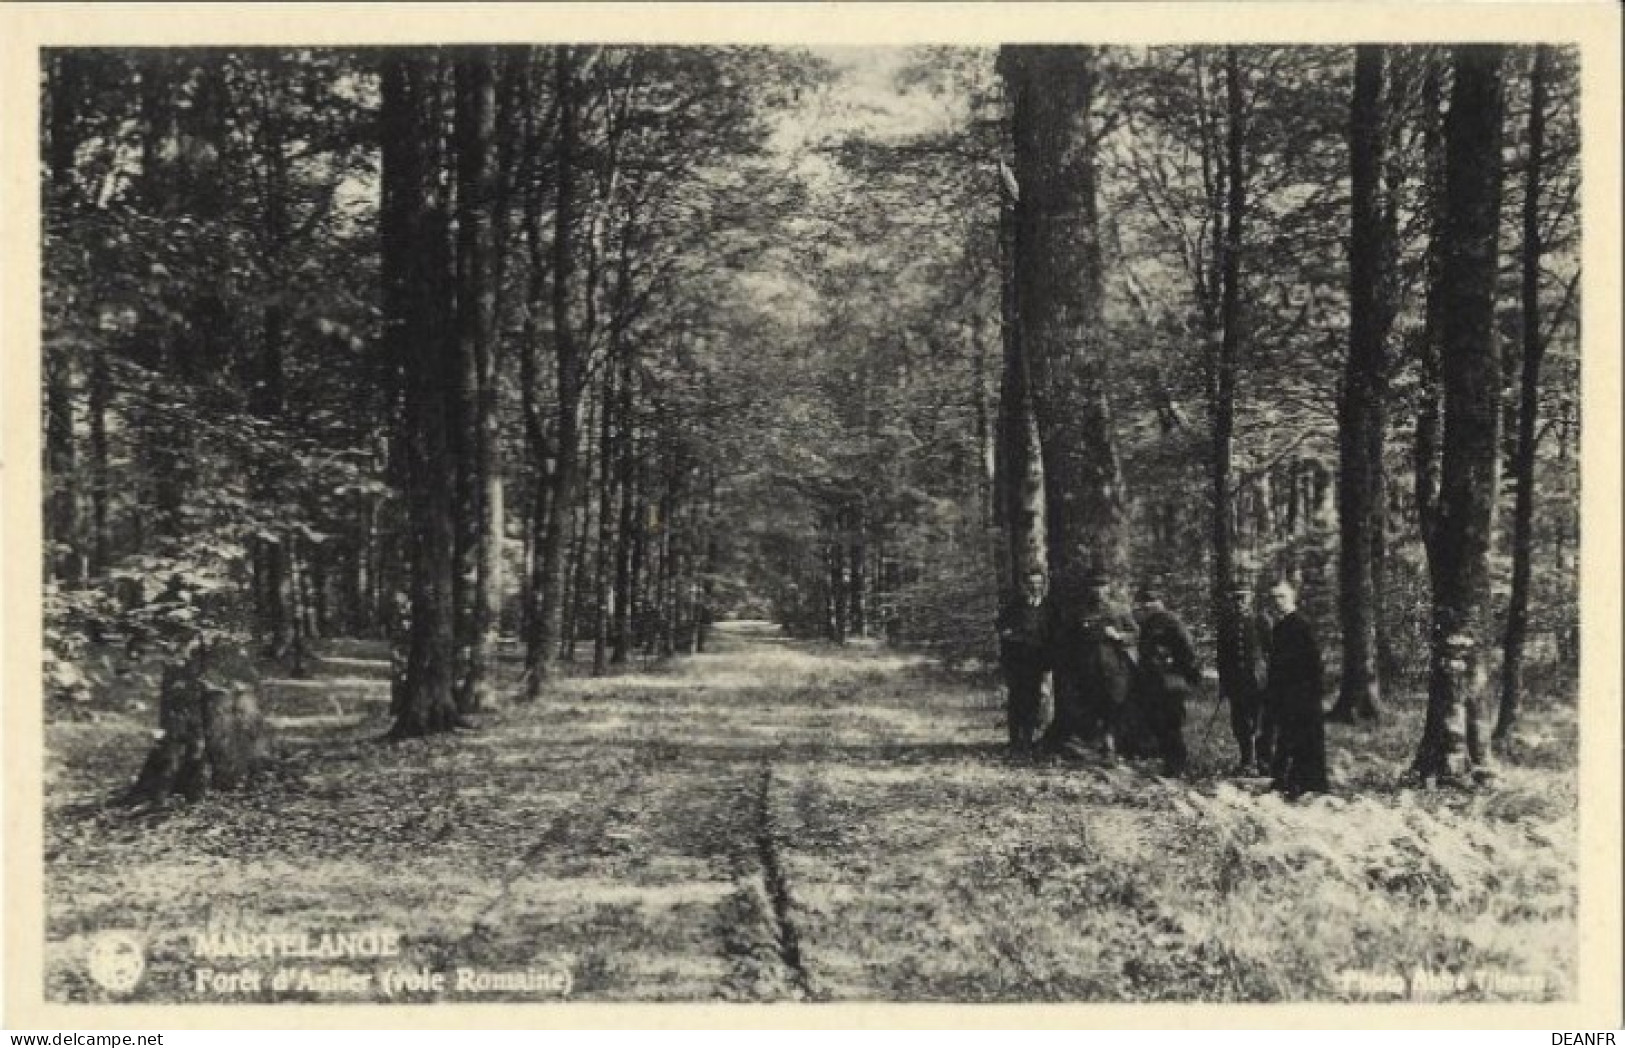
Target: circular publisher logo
(116,961)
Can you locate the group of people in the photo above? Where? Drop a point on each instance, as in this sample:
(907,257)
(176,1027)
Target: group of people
(1122,682)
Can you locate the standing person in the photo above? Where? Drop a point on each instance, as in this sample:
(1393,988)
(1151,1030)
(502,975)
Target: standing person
(1296,682)
(1168,676)
(1094,658)
(1250,659)
(1022,657)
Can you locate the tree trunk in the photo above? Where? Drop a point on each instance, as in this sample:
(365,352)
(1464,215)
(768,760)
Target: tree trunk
(604,554)
(1430,411)
(1517,626)
(1360,481)
(627,544)
(512,78)
(550,552)
(1451,742)
(416,279)
(576,554)
(857,564)
(474,423)
(1390,506)
(63,90)
(664,578)
(636,605)
(987,454)
(539,433)
(63,528)
(1059,295)
(209,738)
(1567,537)
(705,606)
(101,396)
(267,401)
(158,449)
(838,597)
(658,612)
(193,139)
(62,533)
(1019,504)
(1233,672)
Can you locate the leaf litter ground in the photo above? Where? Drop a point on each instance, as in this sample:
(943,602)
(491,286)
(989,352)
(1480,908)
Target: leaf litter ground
(785,821)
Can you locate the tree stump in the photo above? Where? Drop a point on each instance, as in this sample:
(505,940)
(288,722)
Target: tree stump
(210,737)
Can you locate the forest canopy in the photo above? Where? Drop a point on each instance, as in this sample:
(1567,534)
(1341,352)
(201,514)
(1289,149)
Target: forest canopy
(565,353)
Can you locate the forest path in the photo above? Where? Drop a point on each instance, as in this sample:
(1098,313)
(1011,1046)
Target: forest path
(778,820)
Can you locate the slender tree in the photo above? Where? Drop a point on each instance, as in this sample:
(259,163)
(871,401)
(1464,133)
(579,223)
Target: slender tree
(1360,412)
(64,541)
(628,531)
(1018,494)
(1225,370)
(474,426)
(1452,740)
(547,617)
(1429,436)
(1534,348)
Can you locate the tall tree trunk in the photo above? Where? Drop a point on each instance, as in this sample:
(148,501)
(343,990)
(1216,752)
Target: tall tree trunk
(63,87)
(1360,480)
(479,545)
(658,616)
(987,457)
(1402,72)
(512,80)
(1451,740)
(1019,504)
(195,140)
(1232,671)
(1430,407)
(838,598)
(160,138)
(64,533)
(1534,348)
(604,554)
(1059,295)
(705,590)
(575,566)
(550,552)
(1567,535)
(416,273)
(270,554)
(626,548)
(857,566)
(676,577)
(665,576)
(539,431)
(637,600)
(267,400)
(101,396)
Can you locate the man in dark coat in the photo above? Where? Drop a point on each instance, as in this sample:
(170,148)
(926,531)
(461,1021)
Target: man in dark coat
(1023,658)
(1094,658)
(1168,677)
(1250,662)
(1296,682)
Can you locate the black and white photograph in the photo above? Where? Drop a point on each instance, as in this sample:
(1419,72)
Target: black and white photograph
(589,517)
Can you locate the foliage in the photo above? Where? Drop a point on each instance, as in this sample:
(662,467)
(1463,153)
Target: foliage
(797,254)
